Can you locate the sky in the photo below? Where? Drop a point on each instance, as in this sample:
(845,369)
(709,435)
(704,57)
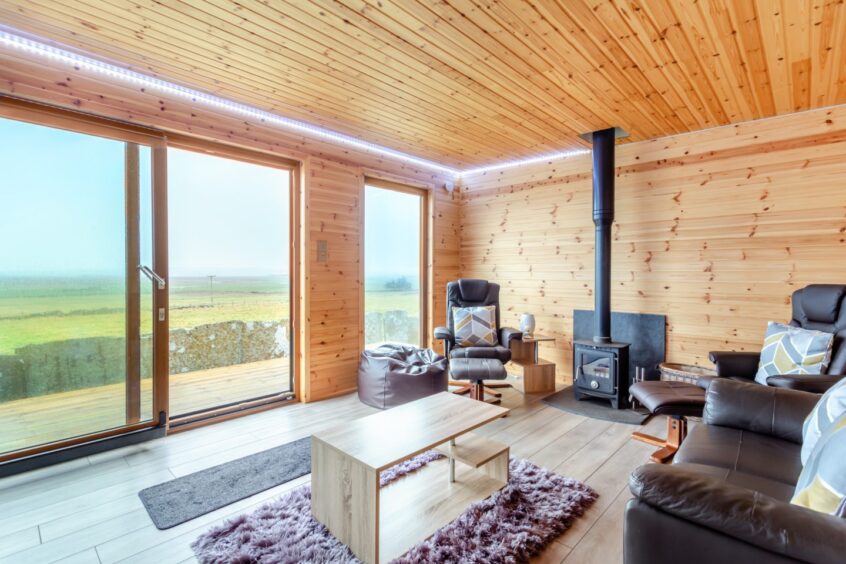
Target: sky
(391,233)
(62,204)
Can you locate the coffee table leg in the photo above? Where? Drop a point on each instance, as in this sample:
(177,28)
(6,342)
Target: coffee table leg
(451,462)
(345,498)
(497,468)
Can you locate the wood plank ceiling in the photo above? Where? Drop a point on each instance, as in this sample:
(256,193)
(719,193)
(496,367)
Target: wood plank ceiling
(470,82)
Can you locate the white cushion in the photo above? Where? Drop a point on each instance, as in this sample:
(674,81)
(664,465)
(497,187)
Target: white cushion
(830,408)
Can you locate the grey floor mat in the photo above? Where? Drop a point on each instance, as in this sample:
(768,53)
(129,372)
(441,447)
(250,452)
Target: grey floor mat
(191,496)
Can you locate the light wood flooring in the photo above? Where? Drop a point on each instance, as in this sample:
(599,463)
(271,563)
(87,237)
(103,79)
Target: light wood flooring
(88,510)
(43,419)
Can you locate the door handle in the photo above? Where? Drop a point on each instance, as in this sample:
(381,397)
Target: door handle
(149,273)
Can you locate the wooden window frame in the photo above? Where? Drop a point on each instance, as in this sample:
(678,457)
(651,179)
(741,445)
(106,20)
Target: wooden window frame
(234,152)
(79,122)
(425,243)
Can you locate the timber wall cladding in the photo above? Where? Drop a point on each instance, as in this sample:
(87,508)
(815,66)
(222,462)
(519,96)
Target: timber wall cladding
(715,229)
(334,305)
(444,256)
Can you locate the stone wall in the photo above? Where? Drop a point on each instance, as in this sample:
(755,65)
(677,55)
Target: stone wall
(74,364)
(391,326)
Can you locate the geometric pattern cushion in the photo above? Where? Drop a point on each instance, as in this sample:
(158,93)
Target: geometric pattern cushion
(793,350)
(822,483)
(828,410)
(475,326)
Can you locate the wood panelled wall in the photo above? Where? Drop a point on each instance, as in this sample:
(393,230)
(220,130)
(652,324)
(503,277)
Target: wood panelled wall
(715,229)
(444,256)
(332,183)
(335,306)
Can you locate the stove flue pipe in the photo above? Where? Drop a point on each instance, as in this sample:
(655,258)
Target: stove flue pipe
(603,218)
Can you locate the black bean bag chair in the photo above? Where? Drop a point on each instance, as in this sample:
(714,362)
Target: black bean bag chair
(392,374)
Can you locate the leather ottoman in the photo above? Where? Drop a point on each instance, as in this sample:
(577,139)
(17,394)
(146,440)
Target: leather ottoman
(477,370)
(675,399)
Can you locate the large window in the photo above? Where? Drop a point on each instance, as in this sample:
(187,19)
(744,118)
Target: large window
(229,282)
(75,314)
(394,265)
(140,280)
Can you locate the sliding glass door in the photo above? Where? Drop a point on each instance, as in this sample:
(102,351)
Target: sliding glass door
(394,264)
(76,312)
(139,281)
(230,306)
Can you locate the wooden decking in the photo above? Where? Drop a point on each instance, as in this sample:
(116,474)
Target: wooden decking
(88,510)
(44,419)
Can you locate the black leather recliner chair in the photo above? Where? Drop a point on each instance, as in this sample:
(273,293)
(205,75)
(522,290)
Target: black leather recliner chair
(469,292)
(818,307)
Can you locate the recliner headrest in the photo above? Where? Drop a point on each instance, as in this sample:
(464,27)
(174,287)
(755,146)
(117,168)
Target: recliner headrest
(472,289)
(819,302)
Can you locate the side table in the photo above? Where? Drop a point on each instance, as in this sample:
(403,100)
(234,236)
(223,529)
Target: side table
(532,374)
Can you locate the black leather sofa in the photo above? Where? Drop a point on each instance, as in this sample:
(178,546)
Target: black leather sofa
(726,497)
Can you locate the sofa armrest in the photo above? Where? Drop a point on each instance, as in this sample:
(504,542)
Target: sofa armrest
(508,334)
(737,364)
(704,382)
(814,383)
(760,409)
(740,513)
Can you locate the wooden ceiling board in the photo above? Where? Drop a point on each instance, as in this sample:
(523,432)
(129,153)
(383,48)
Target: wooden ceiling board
(468,83)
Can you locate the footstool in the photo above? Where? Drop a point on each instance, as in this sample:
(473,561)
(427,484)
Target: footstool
(476,371)
(677,400)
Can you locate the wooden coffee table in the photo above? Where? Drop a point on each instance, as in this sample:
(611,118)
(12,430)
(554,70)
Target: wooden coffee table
(346,461)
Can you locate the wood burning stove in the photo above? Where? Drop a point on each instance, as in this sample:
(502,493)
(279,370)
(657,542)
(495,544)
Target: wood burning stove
(601,370)
(601,366)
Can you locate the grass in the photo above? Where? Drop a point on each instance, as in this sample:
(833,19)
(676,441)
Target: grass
(41,310)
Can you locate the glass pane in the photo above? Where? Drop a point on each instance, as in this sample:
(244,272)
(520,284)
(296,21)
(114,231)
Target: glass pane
(391,266)
(63,285)
(229,285)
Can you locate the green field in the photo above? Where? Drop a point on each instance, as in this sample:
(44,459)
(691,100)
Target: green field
(40,310)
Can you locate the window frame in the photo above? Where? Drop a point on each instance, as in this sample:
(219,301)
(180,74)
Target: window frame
(46,115)
(424,242)
(232,152)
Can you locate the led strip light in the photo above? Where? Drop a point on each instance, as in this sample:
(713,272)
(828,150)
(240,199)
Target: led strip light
(40,49)
(523,162)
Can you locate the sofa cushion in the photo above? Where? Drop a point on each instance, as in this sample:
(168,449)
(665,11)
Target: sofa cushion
(742,451)
(822,485)
(830,407)
(793,350)
(773,488)
(475,326)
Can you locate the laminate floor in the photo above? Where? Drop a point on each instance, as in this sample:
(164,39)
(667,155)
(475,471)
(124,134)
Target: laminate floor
(88,511)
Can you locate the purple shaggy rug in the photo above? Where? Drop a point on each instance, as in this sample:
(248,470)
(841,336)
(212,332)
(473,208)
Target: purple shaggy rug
(510,526)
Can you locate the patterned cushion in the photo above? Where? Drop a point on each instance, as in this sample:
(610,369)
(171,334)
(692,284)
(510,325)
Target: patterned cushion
(822,483)
(475,326)
(793,350)
(828,410)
